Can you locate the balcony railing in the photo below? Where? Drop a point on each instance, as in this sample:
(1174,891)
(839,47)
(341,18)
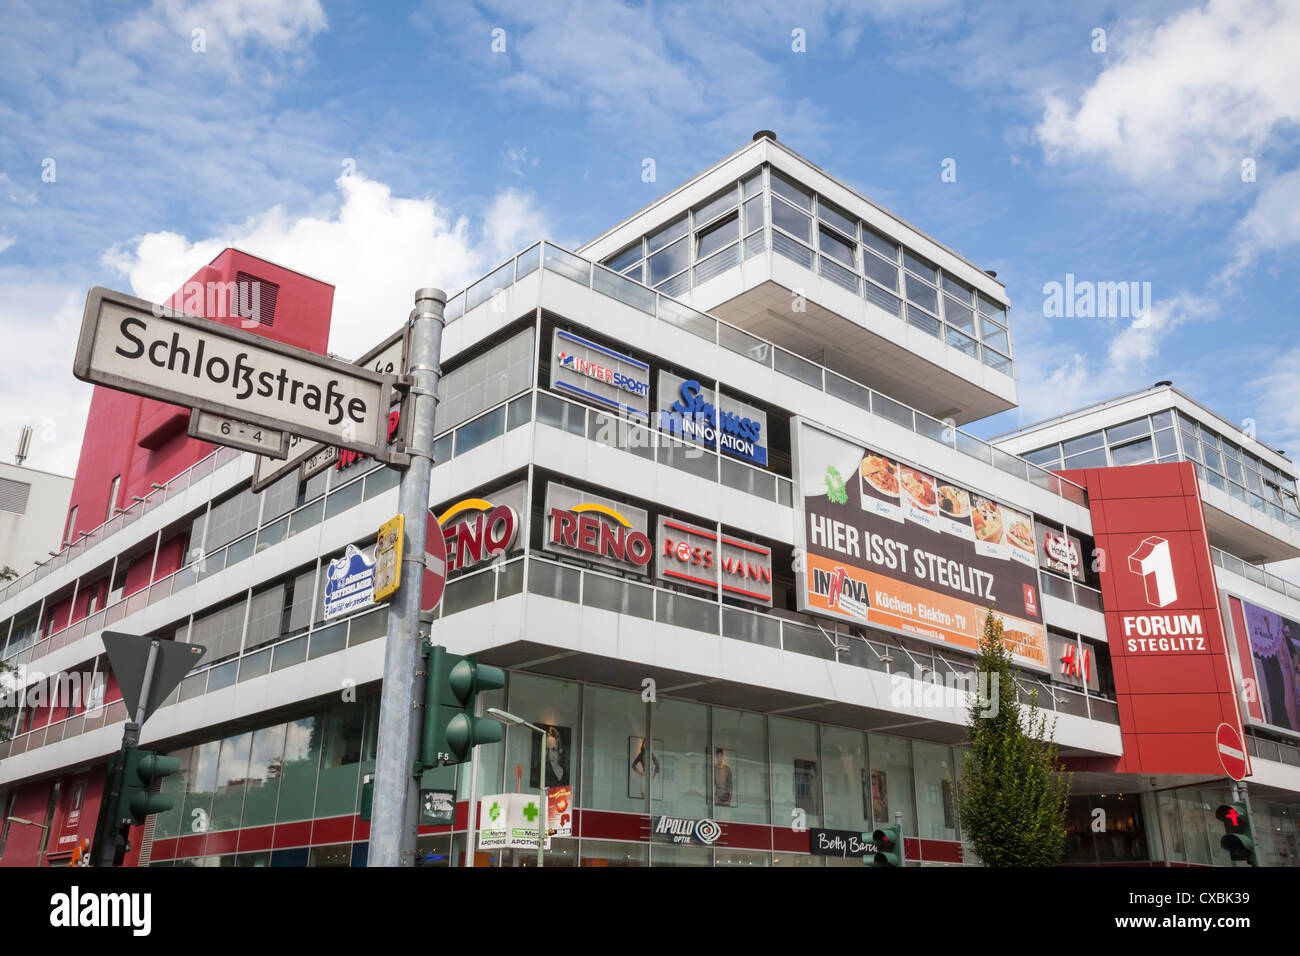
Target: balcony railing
(1254,573)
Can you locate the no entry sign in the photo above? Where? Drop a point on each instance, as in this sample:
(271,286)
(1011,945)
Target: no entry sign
(435,565)
(1232,754)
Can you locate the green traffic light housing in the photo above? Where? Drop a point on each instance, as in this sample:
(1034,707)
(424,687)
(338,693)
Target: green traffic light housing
(1237,839)
(143,767)
(451,731)
(889,846)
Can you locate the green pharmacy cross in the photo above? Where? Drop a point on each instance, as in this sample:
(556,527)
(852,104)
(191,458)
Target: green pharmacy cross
(495,811)
(530,811)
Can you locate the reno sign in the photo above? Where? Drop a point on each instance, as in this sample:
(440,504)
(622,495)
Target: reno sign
(693,412)
(596,528)
(479,529)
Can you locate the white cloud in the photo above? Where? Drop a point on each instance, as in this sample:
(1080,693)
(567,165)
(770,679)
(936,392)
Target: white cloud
(1272,223)
(1138,343)
(279,24)
(1274,390)
(6,242)
(376,249)
(1182,103)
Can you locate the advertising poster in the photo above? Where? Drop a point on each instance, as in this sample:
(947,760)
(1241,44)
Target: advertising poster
(559,811)
(559,743)
(912,575)
(1275,648)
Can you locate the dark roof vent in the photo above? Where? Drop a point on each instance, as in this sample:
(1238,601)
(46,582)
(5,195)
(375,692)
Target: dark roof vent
(765,134)
(1163,383)
(255,299)
(991,273)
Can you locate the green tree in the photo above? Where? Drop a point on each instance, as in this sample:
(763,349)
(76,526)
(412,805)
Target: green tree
(1014,794)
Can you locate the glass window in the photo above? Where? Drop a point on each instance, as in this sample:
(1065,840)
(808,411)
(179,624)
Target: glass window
(609,853)
(754,214)
(845,779)
(832,244)
(1162,419)
(168,823)
(883,272)
(1082,443)
(886,247)
(796,782)
(201,782)
(667,234)
(964,343)
(837,218)
(1212,459)
(921,294)
(936,805)
(754,184)
(1088,459)
(552,705)
(1043,456)
(997,361)
(680,731)
(995,337)
(1166,442)
(957,290)
(891,780)
(616,758)
(958,315)
(625,258)
(715,207)
(792,221)
(297,770)
(796,194)
(1133,453)
(920,267)
(717,236)
(266,762)
(232,777)
(341,758)
(738,766)
(669,262)
(990,308)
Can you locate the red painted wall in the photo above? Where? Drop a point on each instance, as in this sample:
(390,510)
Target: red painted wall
(145,441)
(1173,676)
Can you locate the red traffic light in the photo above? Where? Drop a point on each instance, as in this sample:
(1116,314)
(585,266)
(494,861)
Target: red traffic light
(1231,816)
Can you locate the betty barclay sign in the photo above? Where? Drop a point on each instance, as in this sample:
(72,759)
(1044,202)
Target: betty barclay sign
(136,346)
(349,583)
(599,529)
(611,379)
(689,410)
(894,547)
(695,557)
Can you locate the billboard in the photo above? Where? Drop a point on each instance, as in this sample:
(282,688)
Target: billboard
(696,558)
(890,546)
(1275,652)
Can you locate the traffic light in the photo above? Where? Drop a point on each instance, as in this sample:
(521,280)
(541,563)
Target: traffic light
(451,731)
(142,768)
(1237,839)
(889,847)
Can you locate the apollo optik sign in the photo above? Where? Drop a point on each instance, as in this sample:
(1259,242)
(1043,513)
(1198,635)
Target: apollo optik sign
(136,346)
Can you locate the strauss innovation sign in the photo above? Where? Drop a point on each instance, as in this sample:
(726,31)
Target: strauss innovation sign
(136,346)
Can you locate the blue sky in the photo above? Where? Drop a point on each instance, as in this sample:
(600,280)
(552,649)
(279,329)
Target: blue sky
(1114,165)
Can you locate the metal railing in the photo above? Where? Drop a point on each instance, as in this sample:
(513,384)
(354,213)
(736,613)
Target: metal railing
(1255,573)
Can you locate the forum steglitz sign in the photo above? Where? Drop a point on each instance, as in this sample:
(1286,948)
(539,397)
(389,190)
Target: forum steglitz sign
(135,346)
(693,412)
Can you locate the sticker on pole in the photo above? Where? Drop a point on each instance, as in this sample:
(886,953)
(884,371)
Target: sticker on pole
(435,565)
(388,558)
(1231,752)
(349,583)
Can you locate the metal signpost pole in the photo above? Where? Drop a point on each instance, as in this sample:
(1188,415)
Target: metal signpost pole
(542,802)
(392,835)
(130,738)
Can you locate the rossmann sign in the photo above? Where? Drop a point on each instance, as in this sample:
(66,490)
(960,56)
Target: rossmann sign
(700,558)
(693,412)
(596,528)
(1173,676)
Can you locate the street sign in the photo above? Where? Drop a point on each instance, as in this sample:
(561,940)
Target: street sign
(1232,755)
(220,430)
(129,653)
(349,582)
(388,557)
(437,807)
(435,565)
(137,346)
(386,358)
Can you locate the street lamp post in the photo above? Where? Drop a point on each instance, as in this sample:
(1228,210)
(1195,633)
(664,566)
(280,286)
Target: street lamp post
(510,718)
(32,823)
